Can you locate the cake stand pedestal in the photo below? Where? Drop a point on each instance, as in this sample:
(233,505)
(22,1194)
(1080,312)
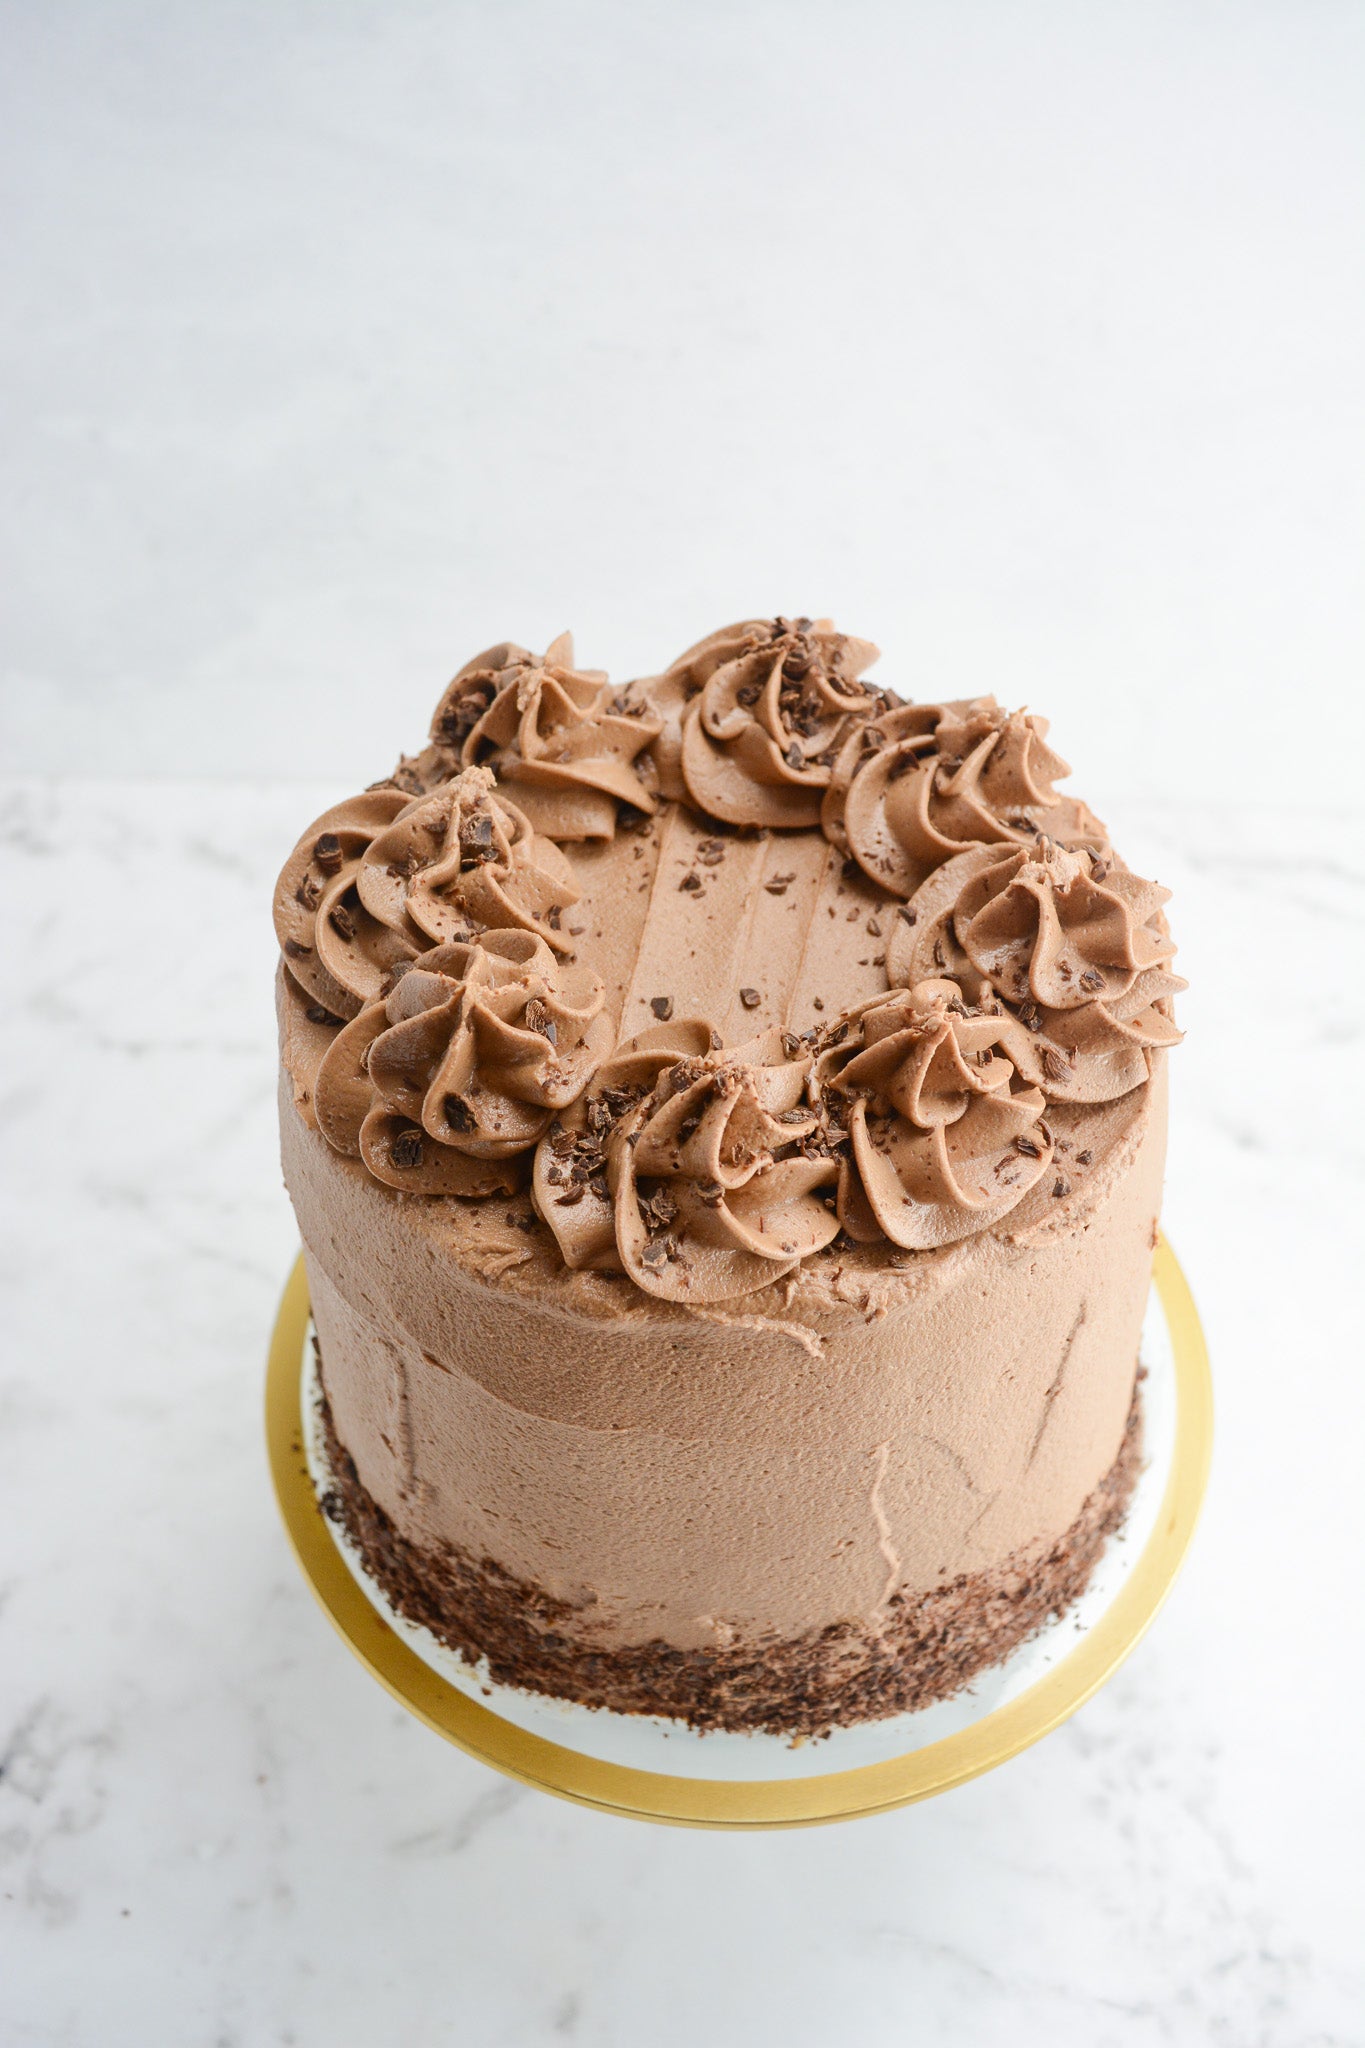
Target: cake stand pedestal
(661,1771)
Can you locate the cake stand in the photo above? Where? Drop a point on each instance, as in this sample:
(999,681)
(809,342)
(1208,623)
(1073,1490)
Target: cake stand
(653,1769)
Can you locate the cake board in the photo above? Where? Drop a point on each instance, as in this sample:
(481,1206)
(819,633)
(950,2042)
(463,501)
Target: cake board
(656,1770)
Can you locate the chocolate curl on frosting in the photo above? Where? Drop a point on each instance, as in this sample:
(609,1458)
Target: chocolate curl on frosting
(944,1135)
(333,946)
(763,708)
(464,856)
(560,737)
(714,1195)
(463,1064)
(941,778)
(1072,942)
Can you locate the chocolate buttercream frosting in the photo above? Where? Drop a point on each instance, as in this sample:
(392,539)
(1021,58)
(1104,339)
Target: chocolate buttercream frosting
(1072,942)
(925,781)
(462,1064)
(563,742)
(940,1131)
(462,858)
(725,1115)
(763,709)
(1028,965)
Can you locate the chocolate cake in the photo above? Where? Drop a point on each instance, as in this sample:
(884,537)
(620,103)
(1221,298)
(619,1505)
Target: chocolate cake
(725,1117)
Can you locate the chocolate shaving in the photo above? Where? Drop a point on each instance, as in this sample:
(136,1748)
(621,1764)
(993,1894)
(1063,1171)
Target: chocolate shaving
(539,1019)
(662,1006)
(296,951)
(458,1114)
(327,852)
(318,1013)
(750,998)
(1028,1147)
(406,1149)
(342,922)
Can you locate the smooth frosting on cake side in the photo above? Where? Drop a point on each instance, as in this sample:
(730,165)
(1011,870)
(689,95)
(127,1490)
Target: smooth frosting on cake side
(725,1117)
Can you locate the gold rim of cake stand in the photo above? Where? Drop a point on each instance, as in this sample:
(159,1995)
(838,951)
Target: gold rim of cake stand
(769,1803)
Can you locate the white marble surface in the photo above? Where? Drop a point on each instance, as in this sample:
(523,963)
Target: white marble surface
(350,339)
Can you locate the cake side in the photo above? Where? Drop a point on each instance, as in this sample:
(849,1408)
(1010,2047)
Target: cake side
(679,1477)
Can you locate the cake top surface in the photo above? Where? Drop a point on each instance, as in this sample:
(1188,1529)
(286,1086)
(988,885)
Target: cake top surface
(732,969)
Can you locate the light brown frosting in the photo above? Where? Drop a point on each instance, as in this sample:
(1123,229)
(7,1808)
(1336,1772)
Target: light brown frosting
(762,710)
(843,1174)
(463,1063)
(940,1132)
(889,1062)
(743,1472)
(1072,941)
(685,1167)
(925,781)
(331,945)
(465,857)
(559,738)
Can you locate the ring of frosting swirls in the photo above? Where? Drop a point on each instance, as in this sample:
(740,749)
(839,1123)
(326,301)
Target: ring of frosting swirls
(461,1067)
(565,742)
(764,707)
(1072,942)
(920,783)
(941,1133)
(697,1167)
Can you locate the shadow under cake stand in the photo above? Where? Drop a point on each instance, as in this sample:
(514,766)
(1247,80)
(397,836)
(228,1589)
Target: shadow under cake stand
(661,1770)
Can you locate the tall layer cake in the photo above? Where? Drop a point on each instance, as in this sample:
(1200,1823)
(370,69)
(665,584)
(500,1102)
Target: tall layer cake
(725,1117)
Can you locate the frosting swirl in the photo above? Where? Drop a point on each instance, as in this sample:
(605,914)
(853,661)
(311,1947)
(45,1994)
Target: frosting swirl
(940,1132)
(1070,940)
(331,945)
(463,855)
(559,736)
(463,1064)
(766,706)
(700,1170)
(569,1183)
(923,782)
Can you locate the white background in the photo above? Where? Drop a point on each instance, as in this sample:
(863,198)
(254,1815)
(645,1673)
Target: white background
(345,339)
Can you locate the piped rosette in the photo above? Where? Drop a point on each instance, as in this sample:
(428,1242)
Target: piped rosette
(919,784)
(938,1129)
(332,948)
(763,709)
(461,858)
(440,1086)
(569,1180)
(1070,940)
(560,738)
(702,1175)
